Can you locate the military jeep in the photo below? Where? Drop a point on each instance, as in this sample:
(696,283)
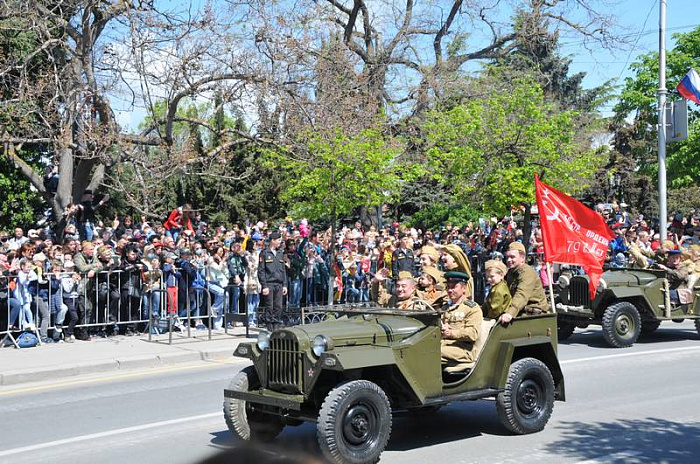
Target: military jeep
(628,302)
(348,374)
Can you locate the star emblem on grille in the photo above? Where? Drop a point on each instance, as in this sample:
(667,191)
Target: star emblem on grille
(311,372)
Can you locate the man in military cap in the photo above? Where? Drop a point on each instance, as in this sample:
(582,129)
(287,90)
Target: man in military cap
(273,281)
(402,258)
(431,287)
(676,274)
(406,296)
(461,324)
(524,284)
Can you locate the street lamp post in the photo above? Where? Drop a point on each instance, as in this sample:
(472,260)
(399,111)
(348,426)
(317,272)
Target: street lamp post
(663,213)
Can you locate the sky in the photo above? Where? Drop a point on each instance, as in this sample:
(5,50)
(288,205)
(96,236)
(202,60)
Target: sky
(639,22)
(641,19)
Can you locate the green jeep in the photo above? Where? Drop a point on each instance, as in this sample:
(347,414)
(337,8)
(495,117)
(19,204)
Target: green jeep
(628,302)
(350,372)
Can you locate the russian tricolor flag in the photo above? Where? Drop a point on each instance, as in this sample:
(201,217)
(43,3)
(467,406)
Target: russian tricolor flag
(689,86)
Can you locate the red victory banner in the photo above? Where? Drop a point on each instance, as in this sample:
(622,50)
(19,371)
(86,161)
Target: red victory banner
(572,233)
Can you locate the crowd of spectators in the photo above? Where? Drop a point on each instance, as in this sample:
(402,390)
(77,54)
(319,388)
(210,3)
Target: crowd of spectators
(108,277)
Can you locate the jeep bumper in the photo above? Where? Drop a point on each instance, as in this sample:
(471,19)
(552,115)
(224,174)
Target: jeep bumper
(268,397)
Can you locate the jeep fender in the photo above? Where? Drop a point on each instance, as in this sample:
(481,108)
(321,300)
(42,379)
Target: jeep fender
(534,347)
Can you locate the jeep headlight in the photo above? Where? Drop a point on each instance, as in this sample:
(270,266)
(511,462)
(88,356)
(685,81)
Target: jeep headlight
(602,285)
(263,340)
(320,345)
(563,281)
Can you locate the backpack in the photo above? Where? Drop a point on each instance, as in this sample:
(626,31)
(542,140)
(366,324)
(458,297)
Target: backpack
(27,340)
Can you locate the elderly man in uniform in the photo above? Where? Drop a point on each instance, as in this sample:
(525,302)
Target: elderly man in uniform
(525,286)
(676,274)
(273,281)
(406,296)
(461,324)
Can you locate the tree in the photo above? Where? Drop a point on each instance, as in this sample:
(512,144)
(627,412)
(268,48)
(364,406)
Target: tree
(636,141)
(489,148)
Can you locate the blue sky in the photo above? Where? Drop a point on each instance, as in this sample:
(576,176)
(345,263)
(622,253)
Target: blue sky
(640,19)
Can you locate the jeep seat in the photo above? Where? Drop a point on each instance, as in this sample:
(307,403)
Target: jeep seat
(486,325)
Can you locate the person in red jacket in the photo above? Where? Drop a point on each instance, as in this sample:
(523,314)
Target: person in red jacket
(178,220)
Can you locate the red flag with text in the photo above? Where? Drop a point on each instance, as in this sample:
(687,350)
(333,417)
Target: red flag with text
(572,233)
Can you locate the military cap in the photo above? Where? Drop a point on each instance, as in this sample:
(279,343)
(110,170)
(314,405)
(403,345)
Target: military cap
(456,276)
(275,235)
(673,252)
(437,275)
(460,258)
(405,275)
(516,246)
(496,264)
(430,251)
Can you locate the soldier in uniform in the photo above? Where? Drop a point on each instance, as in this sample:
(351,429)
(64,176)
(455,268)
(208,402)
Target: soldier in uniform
(402,259)
(524,284)
(406,296)
(461,324)
(431,287)
(273,280)
(676,274)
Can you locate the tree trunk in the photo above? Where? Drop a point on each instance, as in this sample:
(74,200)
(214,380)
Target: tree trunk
(331,273)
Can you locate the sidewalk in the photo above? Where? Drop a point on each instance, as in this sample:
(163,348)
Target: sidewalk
(114,354)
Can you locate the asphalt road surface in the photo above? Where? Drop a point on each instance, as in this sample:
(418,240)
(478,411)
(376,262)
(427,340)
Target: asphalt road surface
(635,405)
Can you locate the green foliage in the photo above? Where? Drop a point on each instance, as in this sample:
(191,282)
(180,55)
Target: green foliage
(343,172)
(488,149)
(19,202)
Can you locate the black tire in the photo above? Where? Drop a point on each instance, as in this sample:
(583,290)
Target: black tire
(354,423)
(697,325)
(649,327)
(527,401)
(242,419)
(621,324)
(565,330)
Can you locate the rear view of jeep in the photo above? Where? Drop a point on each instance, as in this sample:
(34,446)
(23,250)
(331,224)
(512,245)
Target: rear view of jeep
(349,373)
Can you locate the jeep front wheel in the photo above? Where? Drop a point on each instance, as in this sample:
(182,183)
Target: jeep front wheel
(621,324)
(243,419)
(527,401)
(354,423)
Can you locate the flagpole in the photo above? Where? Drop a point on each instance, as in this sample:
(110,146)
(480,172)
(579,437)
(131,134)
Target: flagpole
(550,277)
(663,213)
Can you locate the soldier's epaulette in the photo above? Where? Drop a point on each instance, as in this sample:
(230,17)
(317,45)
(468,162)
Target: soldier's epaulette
(470,303)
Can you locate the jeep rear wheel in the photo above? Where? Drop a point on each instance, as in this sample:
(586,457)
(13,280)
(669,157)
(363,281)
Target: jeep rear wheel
(242,418)
(697,325)
(526,403)
(621,324)
(565,330)
(354,423)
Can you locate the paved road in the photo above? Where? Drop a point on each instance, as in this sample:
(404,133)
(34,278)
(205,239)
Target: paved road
(636,405)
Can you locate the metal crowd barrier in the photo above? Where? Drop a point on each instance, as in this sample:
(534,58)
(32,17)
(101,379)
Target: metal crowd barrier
(119,301)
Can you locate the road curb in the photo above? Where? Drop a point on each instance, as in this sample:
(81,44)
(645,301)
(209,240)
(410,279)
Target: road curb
(118,364)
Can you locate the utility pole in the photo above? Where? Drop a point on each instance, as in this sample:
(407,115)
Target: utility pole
(663,213)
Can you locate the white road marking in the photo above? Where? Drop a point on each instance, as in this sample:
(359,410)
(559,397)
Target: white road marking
(110,433)
(625,355)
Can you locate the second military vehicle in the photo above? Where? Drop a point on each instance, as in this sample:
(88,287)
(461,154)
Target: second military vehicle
(628,302)
(349,373)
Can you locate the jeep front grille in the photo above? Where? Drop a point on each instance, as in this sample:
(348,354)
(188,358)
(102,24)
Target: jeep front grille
(578,293)
(284,363)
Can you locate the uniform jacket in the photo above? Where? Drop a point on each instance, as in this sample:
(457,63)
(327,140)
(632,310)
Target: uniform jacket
(526,290)
(498,300)
(436,298)
(380,295)
(464,320)
(402,260)
(271,268)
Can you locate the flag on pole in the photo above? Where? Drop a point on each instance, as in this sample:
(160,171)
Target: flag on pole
(572,233)
(689,86)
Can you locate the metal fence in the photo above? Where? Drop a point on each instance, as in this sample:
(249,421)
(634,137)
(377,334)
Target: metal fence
(58,305)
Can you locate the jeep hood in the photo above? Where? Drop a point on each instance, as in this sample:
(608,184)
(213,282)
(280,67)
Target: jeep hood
(363,329)
(628,277)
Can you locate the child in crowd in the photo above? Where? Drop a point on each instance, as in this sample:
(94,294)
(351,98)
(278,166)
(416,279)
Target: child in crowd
(499,297)
(171,276)
(25,275)
(72,289)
